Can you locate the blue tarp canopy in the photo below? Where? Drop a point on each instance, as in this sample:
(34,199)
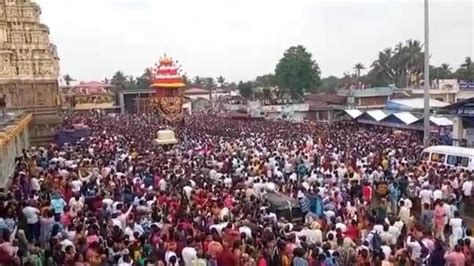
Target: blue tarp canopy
(71,135)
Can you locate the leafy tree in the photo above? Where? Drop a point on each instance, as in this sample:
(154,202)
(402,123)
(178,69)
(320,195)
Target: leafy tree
(119,80)
(209,83)
(267,80)
(197,81)
(245,89)
(144,81)
(297,71)
(185,79)
(381,72)
(67,78)
(441,72)
(221,81)
(267,93)
(131,83)
(466,71)
(330,83)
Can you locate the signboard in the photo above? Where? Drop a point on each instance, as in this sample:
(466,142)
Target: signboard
(466,86)
(465,111)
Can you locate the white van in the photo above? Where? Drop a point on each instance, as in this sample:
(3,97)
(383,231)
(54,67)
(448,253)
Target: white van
(450,155)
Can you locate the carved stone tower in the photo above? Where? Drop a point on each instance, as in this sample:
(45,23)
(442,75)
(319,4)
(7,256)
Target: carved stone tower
(29,66)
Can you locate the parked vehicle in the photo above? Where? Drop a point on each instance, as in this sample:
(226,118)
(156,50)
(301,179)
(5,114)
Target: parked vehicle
(450,155)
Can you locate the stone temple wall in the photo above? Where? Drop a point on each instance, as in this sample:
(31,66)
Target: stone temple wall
(29,66)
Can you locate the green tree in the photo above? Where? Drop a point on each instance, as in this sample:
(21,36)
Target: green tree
(119,80)
(330,83)
(381,72)
(221,81)
(441,72)
(209,83)
(265,81)
(131,83)
(358,67)
(297,71)
(67,78)
(466,71)
(144,81)
(197,81)
(245,89)
(185,79)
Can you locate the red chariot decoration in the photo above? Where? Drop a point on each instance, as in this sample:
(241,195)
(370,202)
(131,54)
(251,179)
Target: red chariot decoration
(169,86)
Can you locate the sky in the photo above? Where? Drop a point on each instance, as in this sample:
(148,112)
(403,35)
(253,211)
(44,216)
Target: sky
(241,39)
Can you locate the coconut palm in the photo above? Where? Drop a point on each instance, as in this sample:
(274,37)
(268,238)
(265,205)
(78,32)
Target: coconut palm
(466,71)
(144,81)
(67,78)
(358,67)
(446,67)
(119,80)
(221,81)
(197,81)
(209,83)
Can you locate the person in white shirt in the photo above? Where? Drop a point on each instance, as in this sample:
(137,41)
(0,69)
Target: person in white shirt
(313,236)
(35,184)
(437,194)
(387,251)
(386,236)
(76,204)
(404,213)
(415,248)
(426,196)
(394,231)
(467,193)
(457,231)
(467,188)
(32,218)
(120,219)
(189,253)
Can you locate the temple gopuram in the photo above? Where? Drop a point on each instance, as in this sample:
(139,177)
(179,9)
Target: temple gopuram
(29,66)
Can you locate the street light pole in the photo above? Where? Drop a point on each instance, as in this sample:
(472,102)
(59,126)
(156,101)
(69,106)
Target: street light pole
(426,96)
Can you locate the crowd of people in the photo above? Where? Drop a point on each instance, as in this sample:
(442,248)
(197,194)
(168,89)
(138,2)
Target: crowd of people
(115,197)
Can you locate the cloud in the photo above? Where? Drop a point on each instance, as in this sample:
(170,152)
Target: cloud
(242,39)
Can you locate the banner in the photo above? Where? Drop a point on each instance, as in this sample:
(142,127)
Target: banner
(466,86)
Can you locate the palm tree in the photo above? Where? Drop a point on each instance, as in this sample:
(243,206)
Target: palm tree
(466,71)
(131,83)
(197,81)
(446,67)
(67,78)
(119,80)
(221,81)
(144,81)
(358,67)
(185,79)
(210,84)
(382,68)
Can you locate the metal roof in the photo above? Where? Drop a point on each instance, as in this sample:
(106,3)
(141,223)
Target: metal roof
(377,115)
(406,117)
(354,113)
(441,121)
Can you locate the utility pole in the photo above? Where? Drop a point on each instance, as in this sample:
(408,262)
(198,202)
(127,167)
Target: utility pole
(426,124)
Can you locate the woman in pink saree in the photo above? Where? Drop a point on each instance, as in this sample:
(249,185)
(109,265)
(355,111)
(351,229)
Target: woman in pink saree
(439,214)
